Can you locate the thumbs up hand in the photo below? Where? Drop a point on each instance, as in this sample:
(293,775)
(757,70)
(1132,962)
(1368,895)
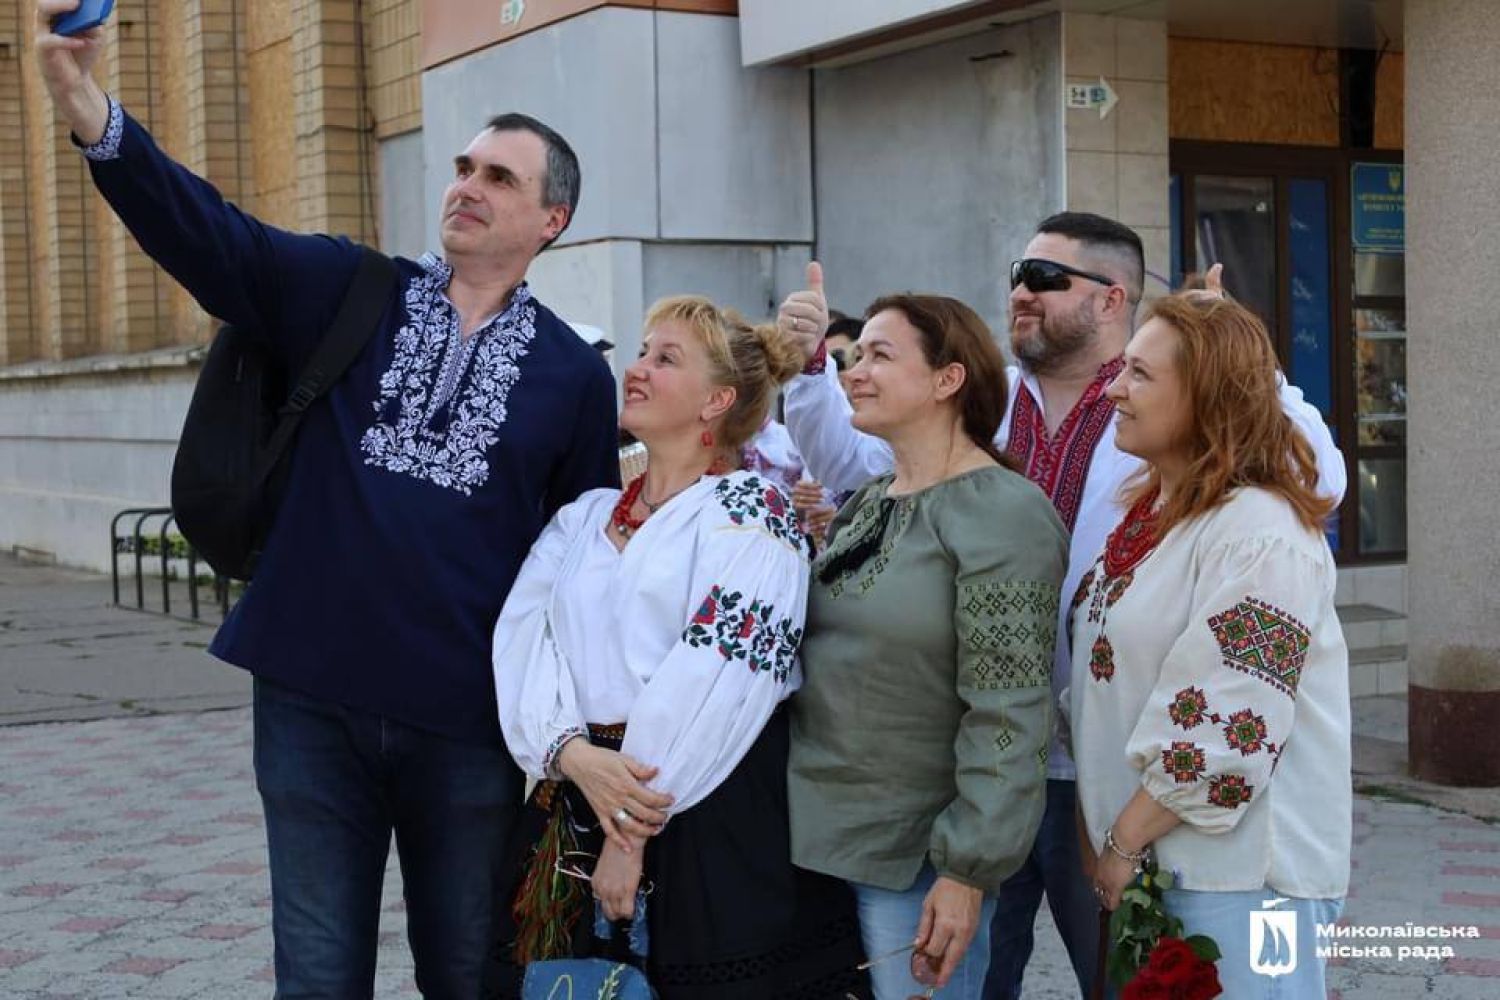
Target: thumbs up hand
(803,316)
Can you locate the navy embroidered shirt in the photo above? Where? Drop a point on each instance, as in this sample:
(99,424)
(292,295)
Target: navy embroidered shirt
(417,485)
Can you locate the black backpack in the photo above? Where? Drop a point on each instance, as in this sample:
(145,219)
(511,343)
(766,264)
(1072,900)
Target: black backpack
(229,474)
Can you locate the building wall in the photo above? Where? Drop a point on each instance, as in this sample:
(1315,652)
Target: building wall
(283,104)
(933,168)
(1117,164)
(697,172)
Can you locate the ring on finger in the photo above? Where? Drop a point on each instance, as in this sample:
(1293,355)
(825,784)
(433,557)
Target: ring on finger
(622,814)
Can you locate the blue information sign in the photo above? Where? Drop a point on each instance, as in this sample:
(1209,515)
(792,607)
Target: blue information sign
(1378,212)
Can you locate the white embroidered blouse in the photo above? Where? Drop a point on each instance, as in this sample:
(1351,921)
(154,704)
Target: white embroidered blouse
(689,636)
(1215,675)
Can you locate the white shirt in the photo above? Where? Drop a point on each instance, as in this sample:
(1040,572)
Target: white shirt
(843,458)
(1215,675)
(689,635)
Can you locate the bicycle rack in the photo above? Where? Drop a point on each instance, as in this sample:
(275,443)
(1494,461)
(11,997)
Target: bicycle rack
(134,544)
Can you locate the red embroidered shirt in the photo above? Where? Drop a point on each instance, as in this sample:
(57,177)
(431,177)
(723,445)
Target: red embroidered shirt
(1059,463)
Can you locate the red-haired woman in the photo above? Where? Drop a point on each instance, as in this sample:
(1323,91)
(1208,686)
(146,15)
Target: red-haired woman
(1210,696)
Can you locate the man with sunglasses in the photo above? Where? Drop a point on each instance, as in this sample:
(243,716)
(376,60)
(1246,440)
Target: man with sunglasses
(1073,302)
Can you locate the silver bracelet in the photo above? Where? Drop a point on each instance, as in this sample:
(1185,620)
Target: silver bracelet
(1136,858)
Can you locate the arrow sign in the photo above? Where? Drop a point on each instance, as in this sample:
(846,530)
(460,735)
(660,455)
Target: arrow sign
(1093,95)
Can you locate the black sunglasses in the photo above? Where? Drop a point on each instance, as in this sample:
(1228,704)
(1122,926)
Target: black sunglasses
(1049,276)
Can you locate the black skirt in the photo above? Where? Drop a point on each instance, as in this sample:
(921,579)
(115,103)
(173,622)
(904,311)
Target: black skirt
(729,915)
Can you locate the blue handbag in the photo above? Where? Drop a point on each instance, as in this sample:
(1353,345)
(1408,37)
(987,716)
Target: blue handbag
(596,978)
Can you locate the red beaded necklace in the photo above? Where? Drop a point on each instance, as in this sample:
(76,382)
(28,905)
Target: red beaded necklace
(626,524)
(621,519)
(1133,539)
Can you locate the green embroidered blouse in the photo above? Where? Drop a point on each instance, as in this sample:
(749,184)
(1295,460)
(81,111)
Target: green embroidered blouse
(921,729)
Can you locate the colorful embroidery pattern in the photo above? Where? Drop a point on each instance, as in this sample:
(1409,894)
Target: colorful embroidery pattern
(1245,732)
(426,426)
(753,500)
(1008,633)
(1184,762)
(1107,594)
(1059,463)
(1188,707)
(1229,791)
(1082,593)
(1102,660)
(751,633)
(1263,641)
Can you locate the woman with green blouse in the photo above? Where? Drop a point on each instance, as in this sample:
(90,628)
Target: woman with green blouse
(918,758)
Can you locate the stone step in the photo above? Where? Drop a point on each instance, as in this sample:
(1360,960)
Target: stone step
(1377,670)
(1369,627)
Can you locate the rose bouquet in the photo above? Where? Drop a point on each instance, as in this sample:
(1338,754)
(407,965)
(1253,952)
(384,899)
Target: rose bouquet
(1148,955)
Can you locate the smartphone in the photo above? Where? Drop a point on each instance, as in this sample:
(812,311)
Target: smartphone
(90,14)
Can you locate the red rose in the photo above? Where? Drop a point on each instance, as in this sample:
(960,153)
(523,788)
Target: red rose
(1203,984)
(774,501)
(1146,986)
(748,625)
(1171,959)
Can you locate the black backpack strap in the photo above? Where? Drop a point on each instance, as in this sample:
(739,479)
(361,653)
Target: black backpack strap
(364,301)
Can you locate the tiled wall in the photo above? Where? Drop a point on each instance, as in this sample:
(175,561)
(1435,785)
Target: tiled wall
(1117,165)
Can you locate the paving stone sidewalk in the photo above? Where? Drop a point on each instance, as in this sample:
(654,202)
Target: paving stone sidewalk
(132,851)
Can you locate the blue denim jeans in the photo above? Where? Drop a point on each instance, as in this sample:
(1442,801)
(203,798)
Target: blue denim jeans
(1226,917)
(888,920)
(336,783)
(1053,868)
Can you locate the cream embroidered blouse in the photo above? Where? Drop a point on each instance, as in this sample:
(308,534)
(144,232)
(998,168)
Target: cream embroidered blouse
(1215,676)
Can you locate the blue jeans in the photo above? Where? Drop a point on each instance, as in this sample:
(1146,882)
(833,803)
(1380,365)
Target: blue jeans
(336,782)
(1226,917)
(1055,868)
(888,920)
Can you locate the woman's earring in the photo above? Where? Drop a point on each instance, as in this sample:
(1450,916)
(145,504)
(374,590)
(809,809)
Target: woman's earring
(707,437)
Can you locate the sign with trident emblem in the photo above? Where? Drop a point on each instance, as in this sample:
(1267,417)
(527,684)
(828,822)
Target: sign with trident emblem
(1273,939)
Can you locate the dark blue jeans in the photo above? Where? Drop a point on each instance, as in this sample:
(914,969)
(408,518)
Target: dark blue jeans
(336,782)
(1055,868)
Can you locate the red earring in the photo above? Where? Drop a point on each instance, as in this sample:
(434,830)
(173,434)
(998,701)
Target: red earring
(707,437)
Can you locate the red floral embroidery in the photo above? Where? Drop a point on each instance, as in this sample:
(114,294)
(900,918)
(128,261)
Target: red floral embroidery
(1263,641)
(1082,593)
(1102,660)
(1229,791)
(1246,732)
(1184,762)
(753,633)
(1059,463)
(1188,707)
(753,500)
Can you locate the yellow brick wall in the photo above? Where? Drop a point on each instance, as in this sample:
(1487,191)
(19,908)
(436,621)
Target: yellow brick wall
(16,324)
(279,103)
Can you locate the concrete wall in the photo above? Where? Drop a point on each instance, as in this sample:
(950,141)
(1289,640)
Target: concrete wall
(78,448)
(933,169)
(1452,211)
(404,208)
(697,173)
(780,29)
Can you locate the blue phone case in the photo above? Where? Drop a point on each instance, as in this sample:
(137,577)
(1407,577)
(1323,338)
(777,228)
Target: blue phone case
(90,14)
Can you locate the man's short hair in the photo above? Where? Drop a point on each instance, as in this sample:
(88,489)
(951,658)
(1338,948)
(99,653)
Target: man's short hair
(1107,238)
(564,179)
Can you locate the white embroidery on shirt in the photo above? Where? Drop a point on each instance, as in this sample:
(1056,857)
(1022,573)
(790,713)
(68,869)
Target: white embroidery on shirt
(429,424)
(108,146)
